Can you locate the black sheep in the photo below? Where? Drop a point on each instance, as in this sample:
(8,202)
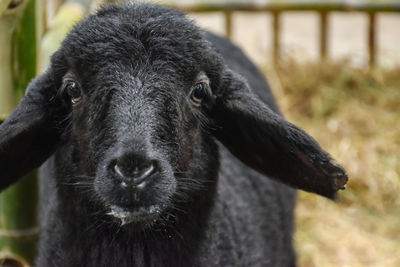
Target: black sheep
(163,146)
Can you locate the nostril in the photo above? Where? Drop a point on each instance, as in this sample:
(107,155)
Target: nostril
(133,172)
(148,171)
(118,171)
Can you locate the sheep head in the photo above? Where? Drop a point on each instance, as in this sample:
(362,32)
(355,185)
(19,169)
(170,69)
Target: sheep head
(134,102)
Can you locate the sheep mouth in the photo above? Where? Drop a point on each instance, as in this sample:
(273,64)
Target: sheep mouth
(128,215)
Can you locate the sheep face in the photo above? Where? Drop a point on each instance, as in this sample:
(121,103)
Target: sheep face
(140,140)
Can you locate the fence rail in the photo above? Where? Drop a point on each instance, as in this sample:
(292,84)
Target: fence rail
(292,5)
(370,8)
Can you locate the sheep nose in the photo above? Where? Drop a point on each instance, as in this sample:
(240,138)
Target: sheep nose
(134,169)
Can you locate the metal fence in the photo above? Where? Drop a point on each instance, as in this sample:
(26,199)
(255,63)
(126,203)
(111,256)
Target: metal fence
(323,8)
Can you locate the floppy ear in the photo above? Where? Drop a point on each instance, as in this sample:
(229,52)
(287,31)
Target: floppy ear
(265,141)
(28,136)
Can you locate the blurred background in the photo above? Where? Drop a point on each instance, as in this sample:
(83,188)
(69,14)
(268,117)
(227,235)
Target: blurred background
(334,67)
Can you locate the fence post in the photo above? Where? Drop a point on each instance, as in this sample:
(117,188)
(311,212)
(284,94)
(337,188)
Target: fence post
(372,38)
(323,35)
(276,28)
(228,23)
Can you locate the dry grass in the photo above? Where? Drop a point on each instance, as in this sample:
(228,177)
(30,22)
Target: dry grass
(354,114)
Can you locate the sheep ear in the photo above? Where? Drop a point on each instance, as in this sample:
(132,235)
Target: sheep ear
(265,141)
(28,136)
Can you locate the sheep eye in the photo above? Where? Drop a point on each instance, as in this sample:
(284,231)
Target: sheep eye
(198,93)
(73,90)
